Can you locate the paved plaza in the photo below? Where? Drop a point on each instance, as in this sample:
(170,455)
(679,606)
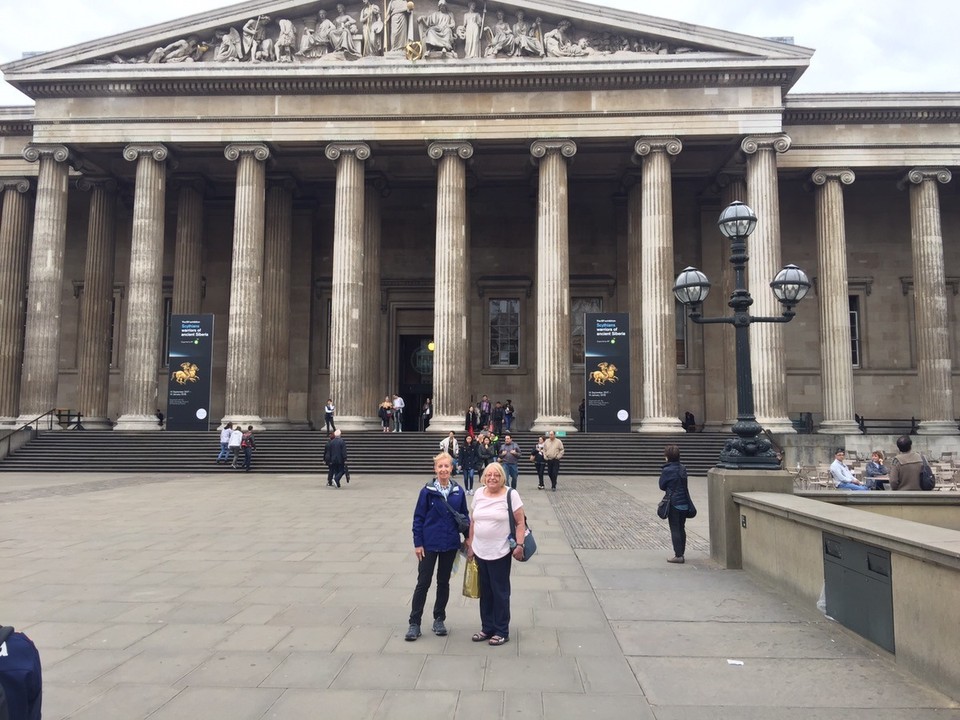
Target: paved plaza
(233,596)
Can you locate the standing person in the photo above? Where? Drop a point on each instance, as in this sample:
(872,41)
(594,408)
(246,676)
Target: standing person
(398,406)
(471,422)
(436,540)
(335,456)
(386,414)
(328,411)
(673,481)
(451,447)
(539,462)
(248,443)
(842,477)
(906,466)
(236,438)
(552,453)
(485,409)
(498,418)
(485,451)
(225,442)
(583,413)
(508,414)
(490,542)
(509,455)
(427,413)
(469,457)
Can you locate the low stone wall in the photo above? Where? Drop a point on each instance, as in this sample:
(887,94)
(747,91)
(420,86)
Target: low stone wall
(782,542)
(13,442)
(939,508)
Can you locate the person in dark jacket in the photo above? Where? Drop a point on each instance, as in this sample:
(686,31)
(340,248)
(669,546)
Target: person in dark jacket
(21,682)
(248,443)
(335,456)
(486,452)
(471,423)
(469,459)
(673,482)
(436,540)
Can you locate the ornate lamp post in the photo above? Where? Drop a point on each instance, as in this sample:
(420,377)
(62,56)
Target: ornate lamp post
(748,450)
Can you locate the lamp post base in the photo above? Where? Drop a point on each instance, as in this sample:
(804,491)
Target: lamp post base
(749,453)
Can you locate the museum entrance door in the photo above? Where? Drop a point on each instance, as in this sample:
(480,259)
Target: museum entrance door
(415,377)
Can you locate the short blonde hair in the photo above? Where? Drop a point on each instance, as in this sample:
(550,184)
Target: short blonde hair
(441,456)
(498,469)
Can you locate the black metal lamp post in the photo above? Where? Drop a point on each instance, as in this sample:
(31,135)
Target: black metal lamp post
(748,450)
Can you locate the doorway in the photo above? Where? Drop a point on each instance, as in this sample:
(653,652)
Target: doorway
(415,378)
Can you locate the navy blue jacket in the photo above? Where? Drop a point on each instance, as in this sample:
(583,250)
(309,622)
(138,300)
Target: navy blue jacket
(20,677)
(673,477)
(469,456)
(434,527)
(336,452)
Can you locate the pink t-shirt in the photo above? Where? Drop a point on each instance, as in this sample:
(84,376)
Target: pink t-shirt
(491,524)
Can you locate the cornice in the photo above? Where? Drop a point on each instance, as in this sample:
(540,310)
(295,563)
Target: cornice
(857,114)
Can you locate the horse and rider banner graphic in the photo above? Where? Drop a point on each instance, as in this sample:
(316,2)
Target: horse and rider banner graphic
(607,372)
(191,364)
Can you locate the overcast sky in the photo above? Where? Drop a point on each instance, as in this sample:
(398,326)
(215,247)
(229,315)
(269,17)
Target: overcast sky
(862,45)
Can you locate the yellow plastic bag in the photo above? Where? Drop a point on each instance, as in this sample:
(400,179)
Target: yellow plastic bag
(471,579)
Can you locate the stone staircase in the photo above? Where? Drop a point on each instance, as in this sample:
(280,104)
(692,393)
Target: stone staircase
(369,452)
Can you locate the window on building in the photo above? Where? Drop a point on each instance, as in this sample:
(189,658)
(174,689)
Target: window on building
(680,318)
(855,330)
(504,336)
(579,306)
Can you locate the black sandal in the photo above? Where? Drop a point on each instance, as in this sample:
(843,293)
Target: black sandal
(497,640)
(480,637)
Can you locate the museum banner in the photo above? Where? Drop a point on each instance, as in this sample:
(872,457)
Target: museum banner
(191,365)
(607,372)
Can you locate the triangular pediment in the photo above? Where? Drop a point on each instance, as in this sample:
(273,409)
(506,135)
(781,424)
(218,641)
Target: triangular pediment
(289,39)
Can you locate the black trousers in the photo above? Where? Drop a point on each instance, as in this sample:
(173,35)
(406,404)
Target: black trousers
(443,561)
(495,595)
(541,466)
(678,534)
(553,469)
(334,473)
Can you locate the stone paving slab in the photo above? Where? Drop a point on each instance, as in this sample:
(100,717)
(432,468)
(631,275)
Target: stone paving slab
(246,596)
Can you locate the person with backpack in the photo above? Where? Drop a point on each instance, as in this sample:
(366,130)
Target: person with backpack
(21,682)
(907,467)
(248,443)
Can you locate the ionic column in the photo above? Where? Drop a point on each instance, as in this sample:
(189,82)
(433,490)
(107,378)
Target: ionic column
(141,356)
(188,250)
(370,340)
(93,365)
(733,188)
(553,287)
(658,320)
(347,293)
(451,357)
(244,337)
(767,349)
(14,251)
(934,363)
(836,368)
(41,348)
(275,369)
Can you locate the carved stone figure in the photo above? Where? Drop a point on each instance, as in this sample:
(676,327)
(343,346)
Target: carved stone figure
(188,50)
(437,30)
(317,42)
(256,45)
(345,35)
(283,49)
(527,37)
(472,30)
(502,40)
(398,15)
(557,44)
(372,28)
(230,48)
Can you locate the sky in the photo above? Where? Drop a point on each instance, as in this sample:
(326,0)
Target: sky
(862,45)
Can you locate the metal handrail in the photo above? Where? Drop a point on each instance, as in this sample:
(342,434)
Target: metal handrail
(5,440)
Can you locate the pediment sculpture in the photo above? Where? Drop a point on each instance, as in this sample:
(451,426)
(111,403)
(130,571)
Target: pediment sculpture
(401,30)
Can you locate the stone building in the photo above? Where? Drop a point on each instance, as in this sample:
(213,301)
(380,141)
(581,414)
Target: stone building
(426,201)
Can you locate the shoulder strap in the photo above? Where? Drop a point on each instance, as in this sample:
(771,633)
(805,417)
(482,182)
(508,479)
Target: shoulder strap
(513,520)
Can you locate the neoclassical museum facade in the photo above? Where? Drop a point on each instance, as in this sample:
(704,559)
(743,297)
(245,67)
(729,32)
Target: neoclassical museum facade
(378,198)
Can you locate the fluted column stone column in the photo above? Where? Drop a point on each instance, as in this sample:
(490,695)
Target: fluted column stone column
(767,348)
(347,292)
(733,189)
(836,368)
(93,365)
(244,335)
(658,319)
(14,252)
(451,318)
(376,188)
(275,369)
(934,363)
(188,250)
(553,287)
(41,348)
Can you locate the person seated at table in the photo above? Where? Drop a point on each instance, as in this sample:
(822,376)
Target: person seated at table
(841,474)
(876,471)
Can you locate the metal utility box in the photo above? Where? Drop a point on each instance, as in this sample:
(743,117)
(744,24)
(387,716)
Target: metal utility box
(859,588)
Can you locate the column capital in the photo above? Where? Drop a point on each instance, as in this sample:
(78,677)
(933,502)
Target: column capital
(647,145)
(820,176)
(157,151)
(916,176)
(752,144)
(541,148)
(438,149)
(89,182)
(20,184)
(360,150)
(34,151)
(235,151)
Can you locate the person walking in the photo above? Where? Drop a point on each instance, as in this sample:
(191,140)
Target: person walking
(509,455)
(538,461)
(436,540)
(335,456)
(552,452)
(248,443)
(485,451)
(398,406)
(490,542)
(225,443)
(673,482)
(236,438)
(328,411)
(426,413)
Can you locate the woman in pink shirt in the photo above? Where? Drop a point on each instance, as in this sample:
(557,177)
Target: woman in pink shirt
(491,544)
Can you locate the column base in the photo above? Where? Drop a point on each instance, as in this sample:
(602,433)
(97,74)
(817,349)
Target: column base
(446,423)
(661,425)
(276,424)
(838,427)
(241,421)
(938,427)
(354,423)
(138,423)
(782,425)
(99,423)
(559,423)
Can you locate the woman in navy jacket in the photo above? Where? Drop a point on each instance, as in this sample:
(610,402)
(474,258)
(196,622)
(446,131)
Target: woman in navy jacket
(673,481)
(436,540)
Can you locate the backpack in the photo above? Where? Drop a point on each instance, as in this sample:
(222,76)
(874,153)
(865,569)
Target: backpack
(20,676)
(928,481)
